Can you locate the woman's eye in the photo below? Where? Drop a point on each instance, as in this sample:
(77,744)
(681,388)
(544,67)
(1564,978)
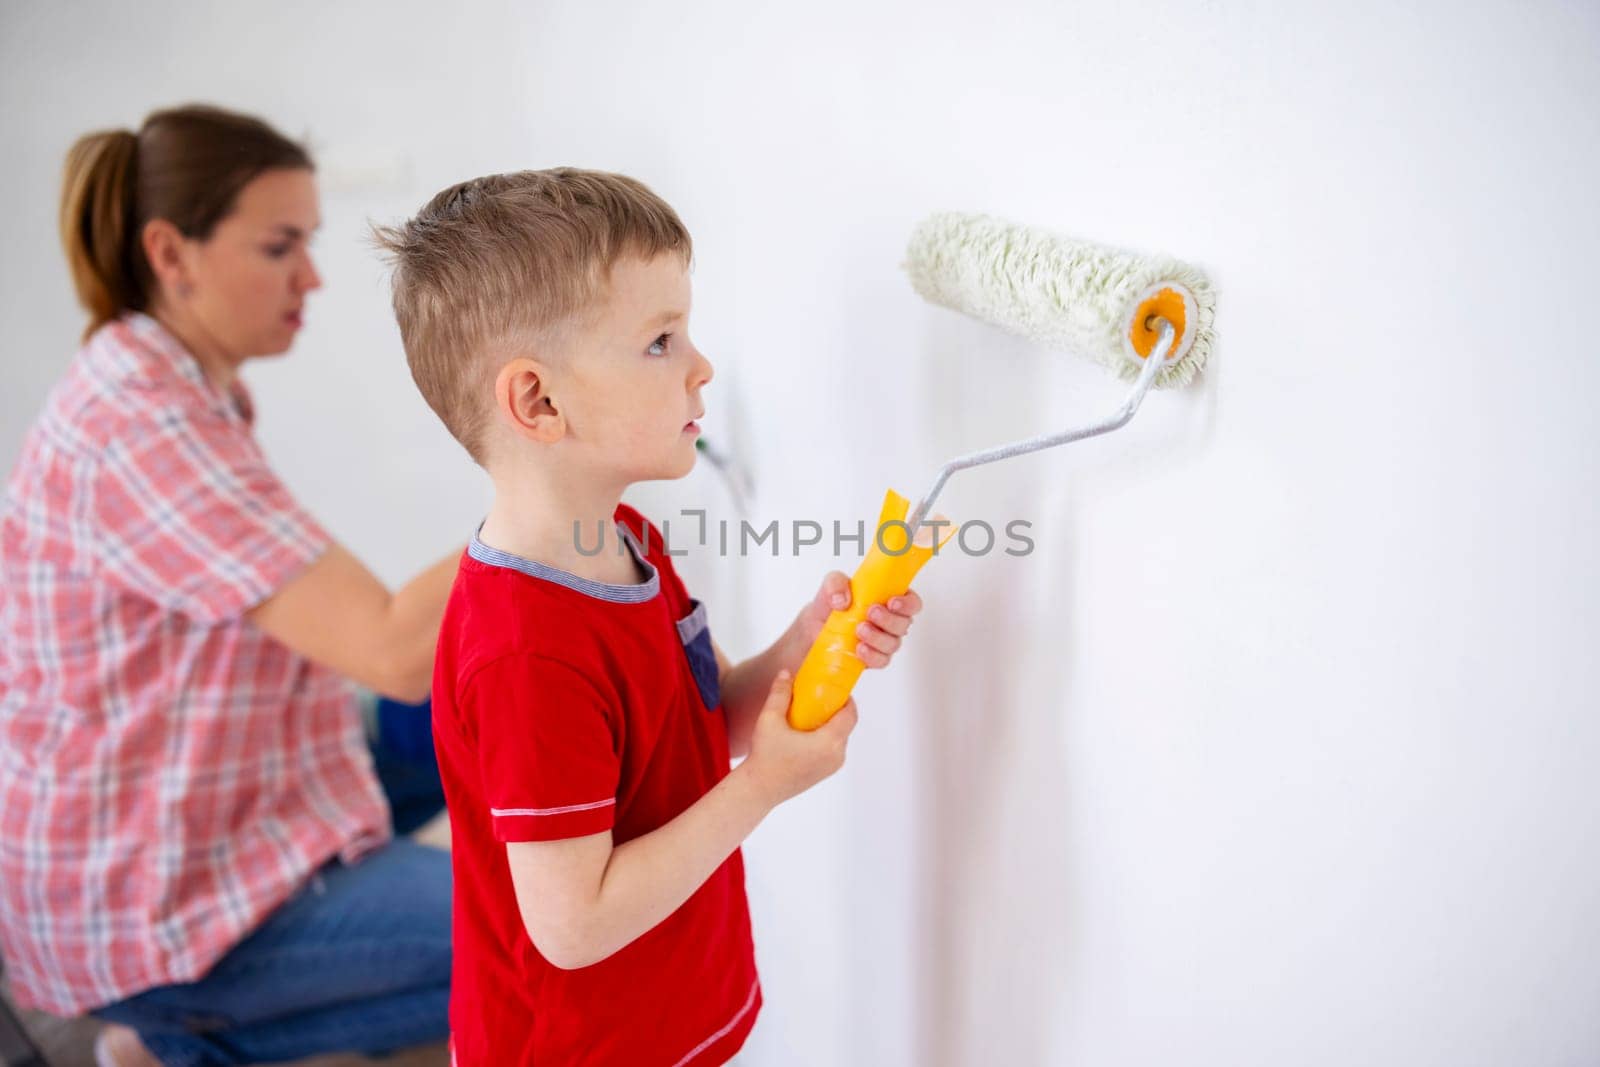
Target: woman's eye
(662,343)
(277,251)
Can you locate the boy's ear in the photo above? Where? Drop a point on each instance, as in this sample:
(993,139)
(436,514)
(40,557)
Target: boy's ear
(522,400)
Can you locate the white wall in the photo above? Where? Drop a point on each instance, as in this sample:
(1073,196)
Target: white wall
(1278,747)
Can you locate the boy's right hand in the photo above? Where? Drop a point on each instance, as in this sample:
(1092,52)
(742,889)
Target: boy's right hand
(787,762)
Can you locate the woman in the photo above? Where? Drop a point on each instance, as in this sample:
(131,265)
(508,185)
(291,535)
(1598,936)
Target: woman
(194,842)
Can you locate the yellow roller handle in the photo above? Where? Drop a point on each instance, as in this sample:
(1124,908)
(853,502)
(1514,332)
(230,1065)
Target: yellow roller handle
(822,684)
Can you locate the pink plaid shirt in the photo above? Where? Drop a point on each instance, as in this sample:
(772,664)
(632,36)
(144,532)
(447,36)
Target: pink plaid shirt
(169,774)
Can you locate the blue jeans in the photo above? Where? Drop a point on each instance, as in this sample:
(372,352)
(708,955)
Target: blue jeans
(358,960)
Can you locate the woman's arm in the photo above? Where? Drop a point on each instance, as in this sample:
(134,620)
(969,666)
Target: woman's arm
(338,614)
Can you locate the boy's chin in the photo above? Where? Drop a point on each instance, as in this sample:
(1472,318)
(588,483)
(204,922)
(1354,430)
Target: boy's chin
(676,466)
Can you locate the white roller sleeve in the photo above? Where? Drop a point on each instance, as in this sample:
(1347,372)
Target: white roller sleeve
(1057,291)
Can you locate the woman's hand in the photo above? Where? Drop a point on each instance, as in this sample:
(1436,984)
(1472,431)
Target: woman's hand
(878,638)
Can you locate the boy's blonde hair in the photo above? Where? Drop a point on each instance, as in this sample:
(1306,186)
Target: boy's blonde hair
(509,260)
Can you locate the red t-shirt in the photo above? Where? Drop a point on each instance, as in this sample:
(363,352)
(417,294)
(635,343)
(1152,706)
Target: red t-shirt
(562,707)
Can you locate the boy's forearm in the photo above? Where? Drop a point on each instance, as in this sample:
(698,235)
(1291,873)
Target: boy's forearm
(650,877)
(745,686)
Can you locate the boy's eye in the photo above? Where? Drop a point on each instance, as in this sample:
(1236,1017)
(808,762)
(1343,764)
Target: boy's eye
(663,343)
(277,251)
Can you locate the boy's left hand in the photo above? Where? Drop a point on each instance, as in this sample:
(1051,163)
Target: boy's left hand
(878,638)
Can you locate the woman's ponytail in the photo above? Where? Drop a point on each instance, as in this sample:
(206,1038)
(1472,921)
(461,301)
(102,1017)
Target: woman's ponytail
(97,220)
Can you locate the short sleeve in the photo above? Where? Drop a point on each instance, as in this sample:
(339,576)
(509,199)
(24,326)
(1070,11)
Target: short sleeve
(188,514)
(549,760)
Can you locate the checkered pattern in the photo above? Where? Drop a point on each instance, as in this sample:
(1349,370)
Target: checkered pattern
(169,774)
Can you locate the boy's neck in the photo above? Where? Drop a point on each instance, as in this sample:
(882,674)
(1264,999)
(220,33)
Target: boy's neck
(535,520)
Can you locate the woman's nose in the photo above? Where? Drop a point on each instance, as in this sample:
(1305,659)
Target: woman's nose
(308,278)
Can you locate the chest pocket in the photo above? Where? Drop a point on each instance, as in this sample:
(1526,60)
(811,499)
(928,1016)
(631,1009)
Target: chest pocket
(695,632)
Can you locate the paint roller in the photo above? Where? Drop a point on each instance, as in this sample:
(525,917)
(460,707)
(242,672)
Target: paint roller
(1148,318)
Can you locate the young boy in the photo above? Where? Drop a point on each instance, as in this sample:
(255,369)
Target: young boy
(583,717)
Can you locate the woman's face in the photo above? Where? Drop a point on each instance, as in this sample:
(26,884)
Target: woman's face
(247,282)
